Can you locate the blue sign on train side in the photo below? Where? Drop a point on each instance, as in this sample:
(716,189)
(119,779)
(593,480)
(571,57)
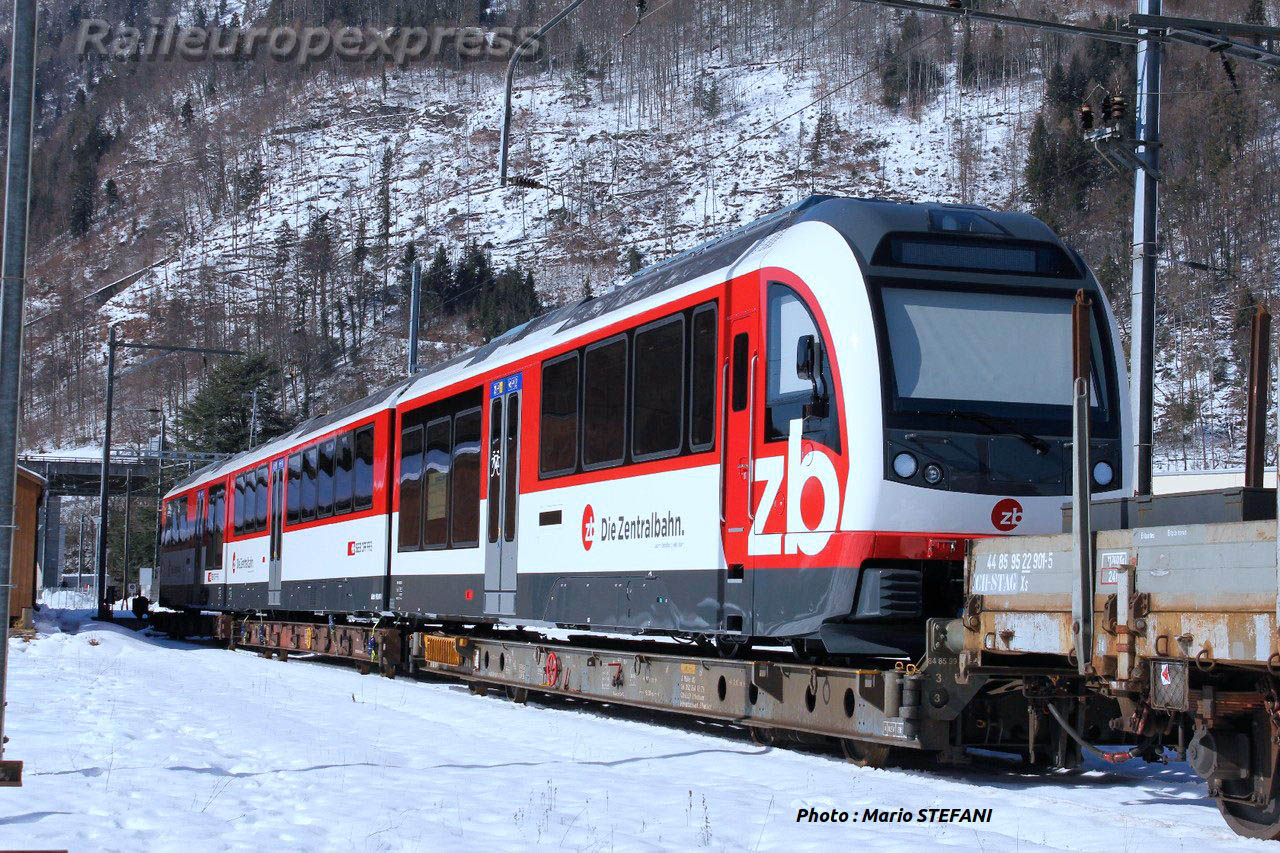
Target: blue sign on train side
(498,387)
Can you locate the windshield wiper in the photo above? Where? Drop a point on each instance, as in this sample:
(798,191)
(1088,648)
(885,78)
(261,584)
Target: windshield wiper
(1001,426)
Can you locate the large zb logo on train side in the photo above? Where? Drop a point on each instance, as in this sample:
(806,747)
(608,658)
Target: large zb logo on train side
(809,478)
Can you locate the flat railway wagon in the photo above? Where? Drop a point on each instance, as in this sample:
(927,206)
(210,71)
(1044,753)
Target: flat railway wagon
(785,435)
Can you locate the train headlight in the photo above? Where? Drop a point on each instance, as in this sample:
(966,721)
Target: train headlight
(1103,474)
(905,465)
(933,474)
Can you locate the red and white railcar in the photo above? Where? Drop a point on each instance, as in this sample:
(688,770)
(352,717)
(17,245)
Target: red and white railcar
(786,433)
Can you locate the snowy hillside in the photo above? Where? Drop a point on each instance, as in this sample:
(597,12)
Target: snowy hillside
(271,208)
(136,743)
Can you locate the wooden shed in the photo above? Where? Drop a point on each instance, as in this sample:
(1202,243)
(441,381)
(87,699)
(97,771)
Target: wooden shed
(26,520)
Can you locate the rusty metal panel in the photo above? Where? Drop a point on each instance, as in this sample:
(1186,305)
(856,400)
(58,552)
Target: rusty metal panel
(1206,592)
(863,704)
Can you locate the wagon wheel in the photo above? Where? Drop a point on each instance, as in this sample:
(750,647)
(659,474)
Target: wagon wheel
(865,753)
(762,736)
(519,695)
(1252,821)
(477,688)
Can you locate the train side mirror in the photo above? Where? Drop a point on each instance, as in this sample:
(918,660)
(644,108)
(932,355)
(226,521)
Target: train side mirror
(809,366)
(806,357)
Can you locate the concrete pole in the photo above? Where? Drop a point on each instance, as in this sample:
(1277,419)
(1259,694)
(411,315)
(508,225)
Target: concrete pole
(13,268)
(128,522)
(104,611)
(80,556)
(1145,203)
(415,316)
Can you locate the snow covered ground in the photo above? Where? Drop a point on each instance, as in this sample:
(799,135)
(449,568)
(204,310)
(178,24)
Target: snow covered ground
(138,743)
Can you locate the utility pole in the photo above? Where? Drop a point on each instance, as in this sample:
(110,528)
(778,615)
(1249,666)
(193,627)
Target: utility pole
(415,315)
(155,556)
(128,520)
(527,44)
(1145,201)
(13,268)
(104,610)
(253,419)
(80,557)
(1147,31)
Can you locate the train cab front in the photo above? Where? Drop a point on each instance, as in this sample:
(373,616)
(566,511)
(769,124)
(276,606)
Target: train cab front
(956,404)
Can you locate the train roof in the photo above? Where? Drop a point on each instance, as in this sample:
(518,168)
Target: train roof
(383,398)
(863,222)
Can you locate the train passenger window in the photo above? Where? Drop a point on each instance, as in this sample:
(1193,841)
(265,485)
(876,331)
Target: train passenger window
(657,423)
(437,463)
(324,481)
(513,467)
(260,515)
(741,371)
(201,532)
(790,396)
(604,403)
(411,489)
(702,379)
(363,476)
(495,466)
(214,524)
(558,433)
(342,475)
(237,505)
(310,457)
(293,491)
(465,486)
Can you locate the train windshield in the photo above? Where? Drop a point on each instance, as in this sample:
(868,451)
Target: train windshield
(1000,353)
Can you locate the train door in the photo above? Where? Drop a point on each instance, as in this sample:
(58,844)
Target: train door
(740,371)
(276,525)
(504,494)
(199,593)
(214,521)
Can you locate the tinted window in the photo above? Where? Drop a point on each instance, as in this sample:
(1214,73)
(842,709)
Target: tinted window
(513,467)
(217,521)
(436,484)
(309,457)
(260,515)
(324,480)
(293,491)
(495,467)
(976,254)
(604,404)
(702,379)
(558,434)
(741,371)
(658,379)
(465,486)
(342,475)
(364,468)
(237,505)
(788,395)
(411,489)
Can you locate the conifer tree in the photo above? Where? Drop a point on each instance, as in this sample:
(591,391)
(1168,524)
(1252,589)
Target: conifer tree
(217,419)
